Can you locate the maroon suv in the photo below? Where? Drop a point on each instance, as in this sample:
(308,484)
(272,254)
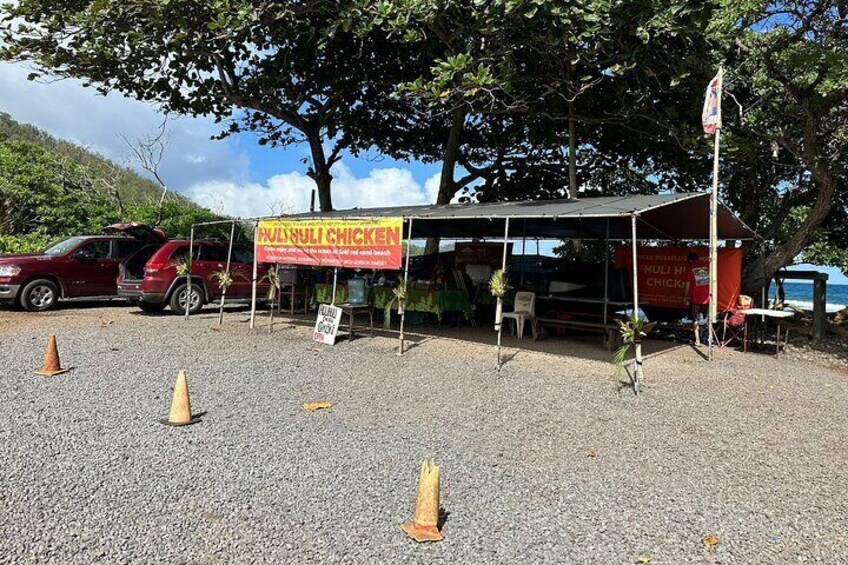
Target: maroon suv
(81,266)
(150,278)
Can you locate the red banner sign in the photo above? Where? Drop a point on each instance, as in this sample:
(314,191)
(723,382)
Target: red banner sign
(663,270)
(358,244)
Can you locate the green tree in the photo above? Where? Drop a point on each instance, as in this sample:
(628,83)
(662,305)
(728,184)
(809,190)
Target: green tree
(788,65)
(286,71)
(43,195)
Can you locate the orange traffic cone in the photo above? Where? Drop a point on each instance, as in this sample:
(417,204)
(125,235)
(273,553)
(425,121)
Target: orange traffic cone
(425,522)
(51,360)
(181,405)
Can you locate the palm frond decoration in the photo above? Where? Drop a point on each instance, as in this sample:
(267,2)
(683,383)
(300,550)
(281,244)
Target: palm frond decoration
(272,277)
(183,266)
(399,296)
(274,282)
(632,331)
(224,278)
(499,283)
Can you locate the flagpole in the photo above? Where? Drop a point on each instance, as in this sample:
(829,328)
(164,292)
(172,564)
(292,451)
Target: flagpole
(713,310)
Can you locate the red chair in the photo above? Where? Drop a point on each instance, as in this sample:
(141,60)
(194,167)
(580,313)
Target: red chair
(734,323)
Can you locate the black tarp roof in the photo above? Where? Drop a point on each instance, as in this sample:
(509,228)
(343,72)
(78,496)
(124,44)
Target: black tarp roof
(660,216)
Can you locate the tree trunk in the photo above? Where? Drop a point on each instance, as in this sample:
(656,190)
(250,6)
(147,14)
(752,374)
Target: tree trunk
(762,268)
(320,172)
(447,186)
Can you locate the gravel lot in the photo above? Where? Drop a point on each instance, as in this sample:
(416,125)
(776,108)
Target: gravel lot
(750,449)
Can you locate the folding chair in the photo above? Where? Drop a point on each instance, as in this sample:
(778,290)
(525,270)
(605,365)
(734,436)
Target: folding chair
(734,323)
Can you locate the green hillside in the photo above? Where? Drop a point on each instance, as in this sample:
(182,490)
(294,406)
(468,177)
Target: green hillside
(133,188)
(51,188)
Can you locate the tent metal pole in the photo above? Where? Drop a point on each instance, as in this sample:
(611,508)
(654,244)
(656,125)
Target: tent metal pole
(189,287)
(229,260)
(523,252)
(637,338)
(401,305)
(499,311)
(335,284)
(606,274)
(255,274)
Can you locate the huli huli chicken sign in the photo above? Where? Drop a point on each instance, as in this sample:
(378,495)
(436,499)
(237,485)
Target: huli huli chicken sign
(359,244)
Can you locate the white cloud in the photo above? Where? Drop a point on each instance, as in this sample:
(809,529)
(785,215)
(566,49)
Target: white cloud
(290,192)
(216,174)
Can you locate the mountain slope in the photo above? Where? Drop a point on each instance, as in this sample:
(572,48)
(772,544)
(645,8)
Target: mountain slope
(113,180)
(51,189)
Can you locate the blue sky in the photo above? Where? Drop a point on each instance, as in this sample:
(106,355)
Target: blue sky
(234,176)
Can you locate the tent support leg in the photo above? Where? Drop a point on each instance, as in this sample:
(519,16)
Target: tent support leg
(335,284)
(255,275)
(637,369)
(606,283)
(401,305)
(499,310)
(229,259)
(189,288)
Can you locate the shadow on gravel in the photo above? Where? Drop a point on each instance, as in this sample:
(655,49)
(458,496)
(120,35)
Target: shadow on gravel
(572,344)
(443,517)
(74,304)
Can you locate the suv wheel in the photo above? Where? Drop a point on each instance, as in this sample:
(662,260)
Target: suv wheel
(178,299)
(152,307)
(39,295)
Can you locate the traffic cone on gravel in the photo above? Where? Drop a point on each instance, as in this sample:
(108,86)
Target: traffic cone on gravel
(181,404)
(425,522)
(52,366)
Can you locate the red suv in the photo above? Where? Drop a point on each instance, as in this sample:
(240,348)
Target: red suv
(81,266)
(149,277)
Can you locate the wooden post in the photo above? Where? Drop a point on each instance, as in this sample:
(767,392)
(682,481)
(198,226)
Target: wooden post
(229,259)
(255,274)
(401,305)
(819,308)
(499,306)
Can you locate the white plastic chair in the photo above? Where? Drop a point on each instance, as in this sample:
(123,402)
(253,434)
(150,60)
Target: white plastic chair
(524,310)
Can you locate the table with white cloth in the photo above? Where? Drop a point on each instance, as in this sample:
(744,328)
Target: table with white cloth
(763,315)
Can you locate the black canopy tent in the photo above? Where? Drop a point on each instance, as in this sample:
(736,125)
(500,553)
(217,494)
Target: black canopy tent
(666,217)
(660,217)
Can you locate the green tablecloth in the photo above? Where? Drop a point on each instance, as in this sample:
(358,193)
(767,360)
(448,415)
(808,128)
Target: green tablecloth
(432,301)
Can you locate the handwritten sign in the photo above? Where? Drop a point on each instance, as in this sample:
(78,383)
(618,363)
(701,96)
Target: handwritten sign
(327,324)
(358,244)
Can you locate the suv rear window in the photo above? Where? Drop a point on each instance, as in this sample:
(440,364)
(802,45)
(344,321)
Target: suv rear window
(202,252)
(122,248)
(99,249)
(213,253)
(181,252)
(243,255)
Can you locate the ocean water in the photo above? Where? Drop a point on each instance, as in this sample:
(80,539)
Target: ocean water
(800,295)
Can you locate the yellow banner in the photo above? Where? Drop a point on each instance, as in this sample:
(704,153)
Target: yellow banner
(374,244)
(337,233)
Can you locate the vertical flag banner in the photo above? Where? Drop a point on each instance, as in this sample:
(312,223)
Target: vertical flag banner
(711,114)
(357,244)
(711,120)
